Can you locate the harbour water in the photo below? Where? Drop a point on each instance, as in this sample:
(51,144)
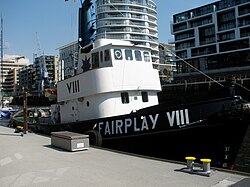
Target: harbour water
(243,158)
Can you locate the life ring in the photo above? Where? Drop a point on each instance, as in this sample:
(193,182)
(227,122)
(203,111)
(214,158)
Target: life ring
(118,54)
(31,114)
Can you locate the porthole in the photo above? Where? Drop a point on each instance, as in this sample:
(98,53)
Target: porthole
(118,54)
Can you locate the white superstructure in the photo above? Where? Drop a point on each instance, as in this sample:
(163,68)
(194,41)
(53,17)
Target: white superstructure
(114,78)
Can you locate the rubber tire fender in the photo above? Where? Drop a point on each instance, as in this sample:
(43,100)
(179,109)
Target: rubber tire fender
(95,138)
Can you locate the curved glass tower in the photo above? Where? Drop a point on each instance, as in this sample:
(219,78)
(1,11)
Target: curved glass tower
(132,20)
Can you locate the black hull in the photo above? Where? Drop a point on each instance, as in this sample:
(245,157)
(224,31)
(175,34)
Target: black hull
(213,129)
(219,142)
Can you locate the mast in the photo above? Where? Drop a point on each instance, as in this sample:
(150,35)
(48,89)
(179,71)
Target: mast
(1,39)
(1,72)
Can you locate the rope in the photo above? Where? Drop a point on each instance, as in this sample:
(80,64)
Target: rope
(242,86)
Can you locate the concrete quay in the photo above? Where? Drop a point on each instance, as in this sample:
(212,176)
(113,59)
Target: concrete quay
(30,160)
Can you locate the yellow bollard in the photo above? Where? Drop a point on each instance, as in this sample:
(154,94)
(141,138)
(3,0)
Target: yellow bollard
(206,164)
(190,162)
(18,129)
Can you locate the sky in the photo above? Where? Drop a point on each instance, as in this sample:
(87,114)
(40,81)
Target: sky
(30,25)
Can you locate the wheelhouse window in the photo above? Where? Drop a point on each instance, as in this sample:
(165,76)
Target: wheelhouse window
(124,97)
(138,56)
(118,54)
(101,56)
(95,60)
(106,55)
(128,54)
(144,96)
(146,56)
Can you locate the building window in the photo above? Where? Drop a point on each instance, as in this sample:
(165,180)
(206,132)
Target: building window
(124,97)
(226,36)
(118,54)
(144,96)
(128,54)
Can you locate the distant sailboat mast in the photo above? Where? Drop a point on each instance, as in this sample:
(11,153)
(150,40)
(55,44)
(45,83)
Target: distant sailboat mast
(1,72)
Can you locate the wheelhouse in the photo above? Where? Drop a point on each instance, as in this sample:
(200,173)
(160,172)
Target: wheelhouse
(103,57)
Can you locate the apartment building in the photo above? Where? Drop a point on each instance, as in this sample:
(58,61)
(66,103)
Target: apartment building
(43,68)
(132,20)
(68,60)
(167,62)
(26,78)
(214,38)
(9,73)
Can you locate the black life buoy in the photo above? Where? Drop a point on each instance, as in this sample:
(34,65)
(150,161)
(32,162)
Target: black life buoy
(31,114)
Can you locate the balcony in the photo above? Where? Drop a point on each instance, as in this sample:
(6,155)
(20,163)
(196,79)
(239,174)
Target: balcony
(182,54)
(234,45)
(244,10)
(208,40)
(245,32)
(179,27)
(226,36)
(244,21)
(184,36)
(203,51)
(227,26)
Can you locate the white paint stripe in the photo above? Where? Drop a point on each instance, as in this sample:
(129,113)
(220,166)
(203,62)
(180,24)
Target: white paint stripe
(5,161)
(29,178)
(41,179)
(224,183)
(18,156)
(8,180)
(24,179)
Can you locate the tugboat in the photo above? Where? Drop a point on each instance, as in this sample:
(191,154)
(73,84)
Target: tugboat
(113,97)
